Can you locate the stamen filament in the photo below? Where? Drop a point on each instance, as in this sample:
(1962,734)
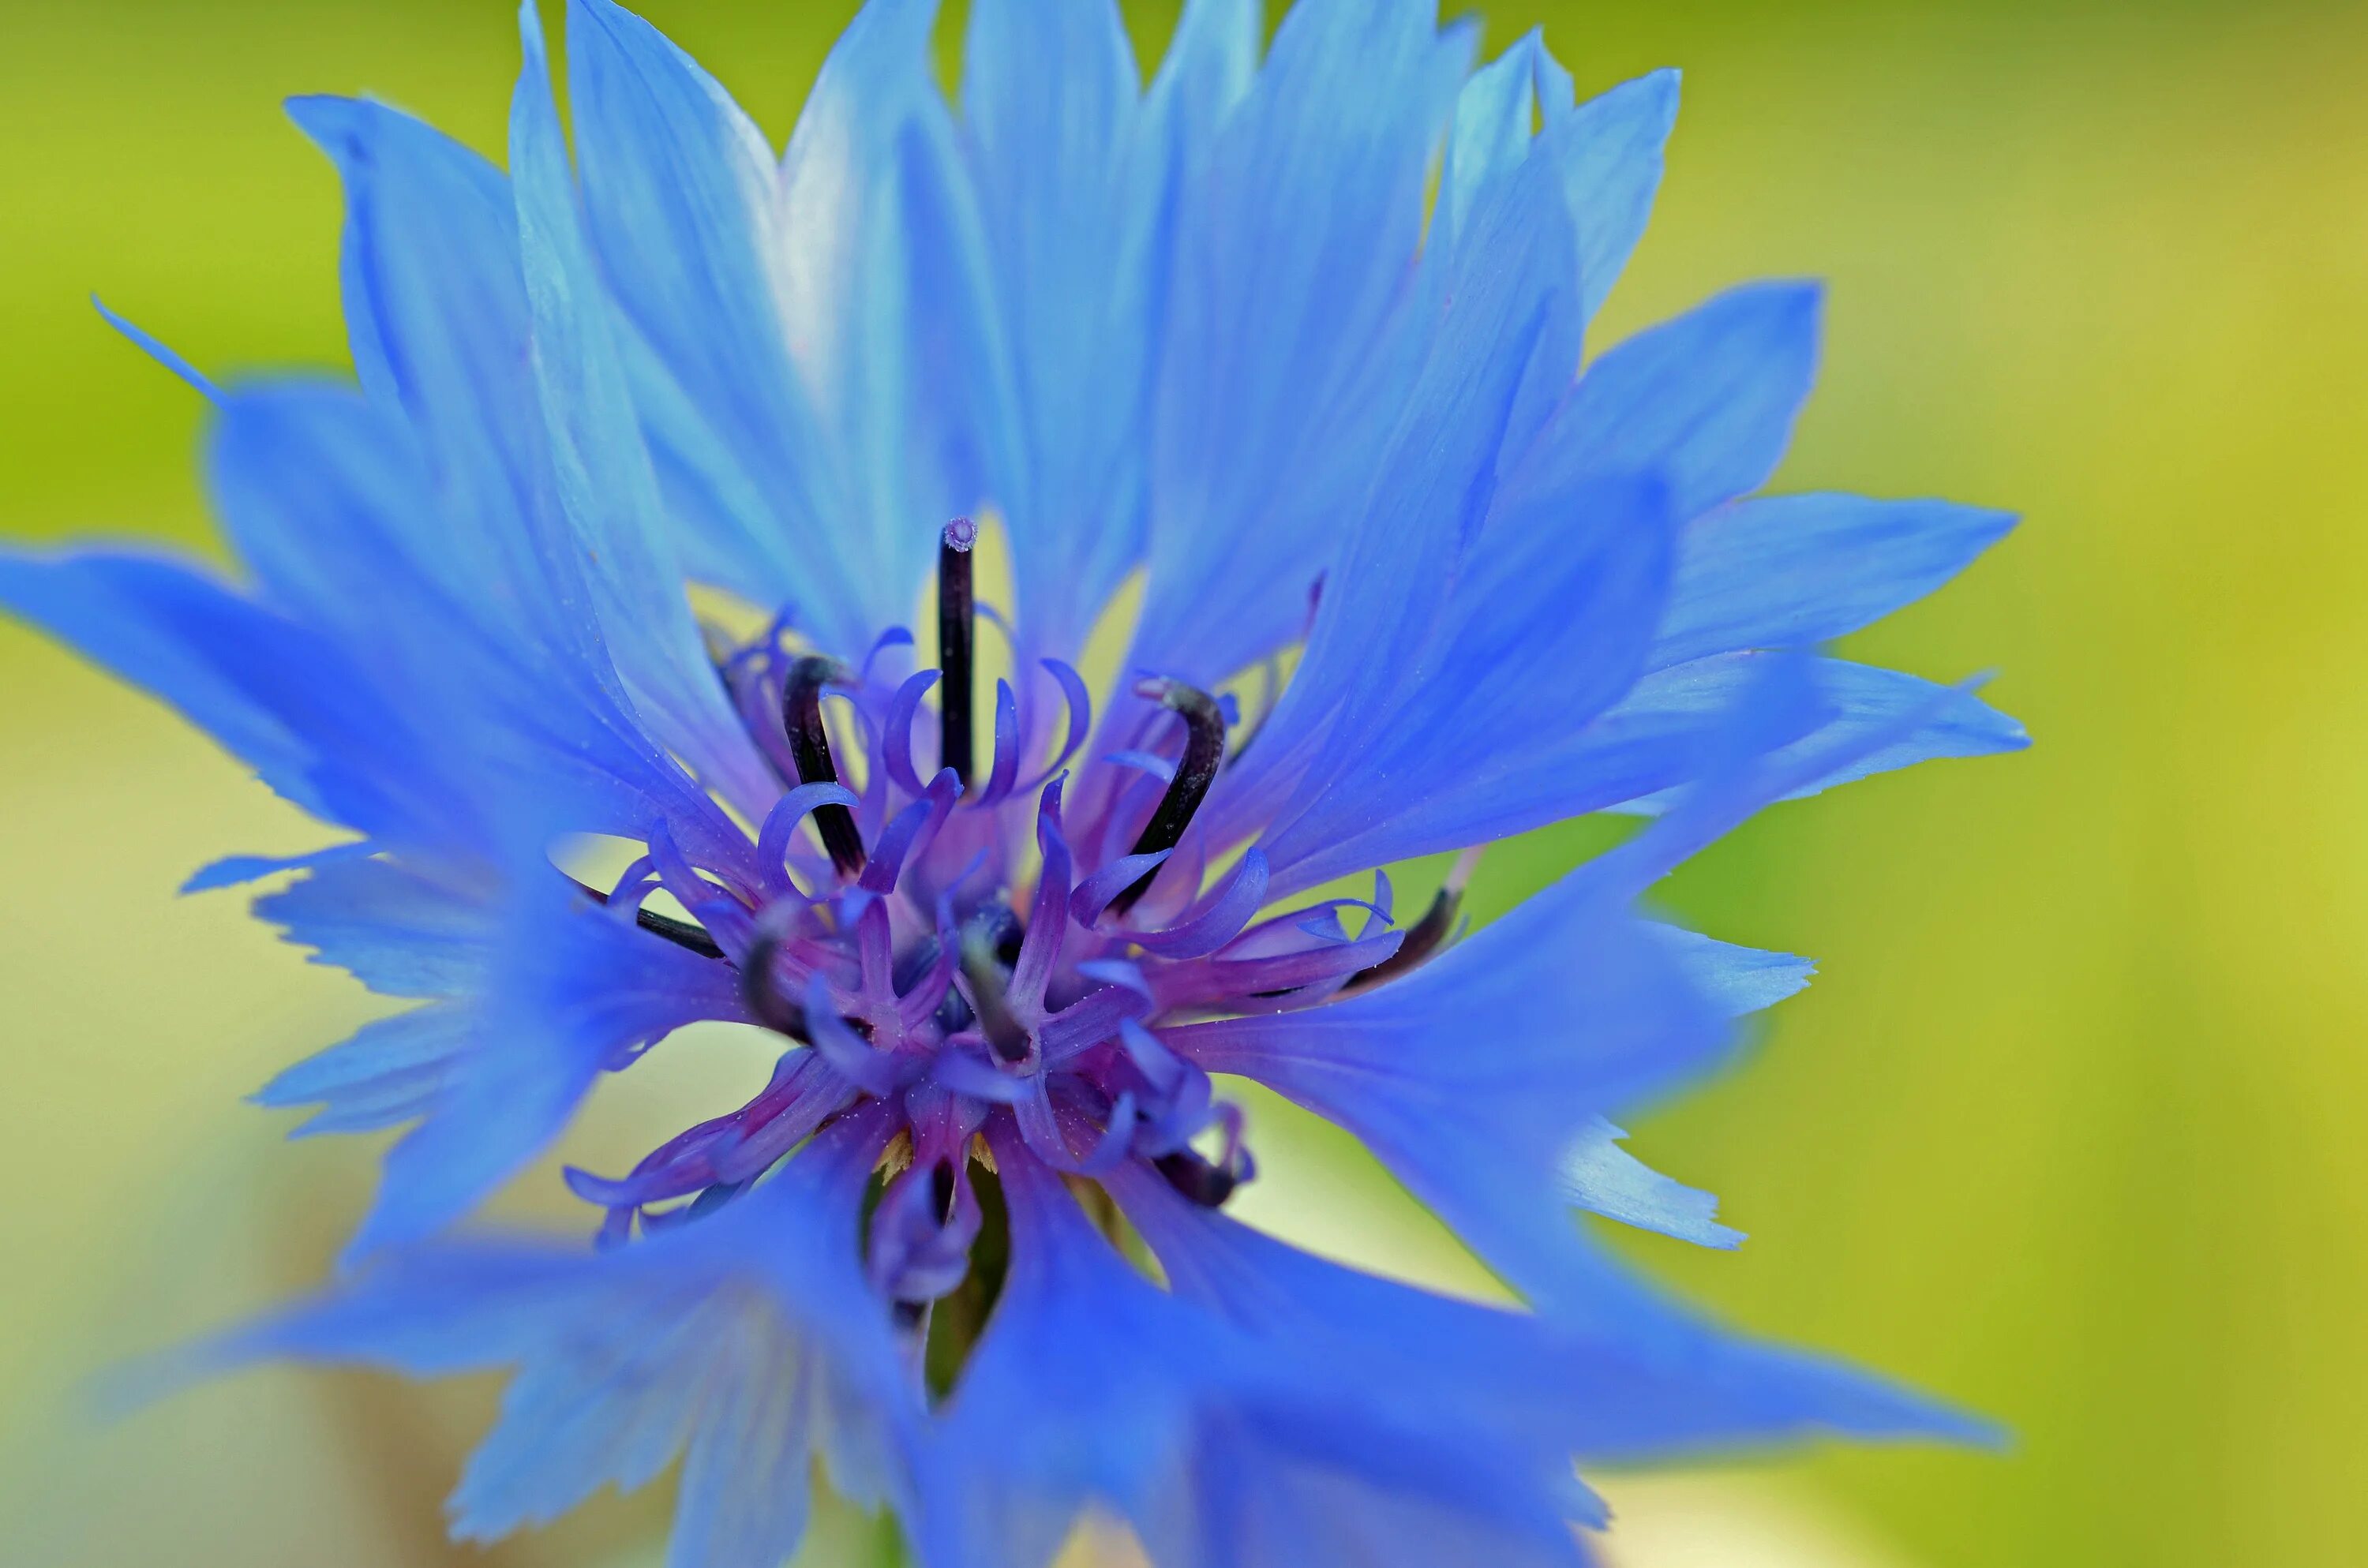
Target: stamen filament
(1425,937)
(810,748)
(1204,753)
(681,933)
(957,630)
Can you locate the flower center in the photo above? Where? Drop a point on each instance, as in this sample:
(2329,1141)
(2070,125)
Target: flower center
(955,950)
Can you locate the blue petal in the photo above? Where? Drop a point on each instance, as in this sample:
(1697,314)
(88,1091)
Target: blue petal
(577,991)
(1432,486)
(722,1340)
(398,931)
(1474,1077)
(154,348)
(1071,198)
(390,1073)
(1493,119)
(1740,979)
(679,193)
(603,479)
(327,496)
(1706,400)
(1863,702)
(1613,173)
(1793,570)
(881,284)
(436,312)
(283,699)
(1604,1178)
(1553,614)
(1657,1381)
(1092,1384)
(1287,354)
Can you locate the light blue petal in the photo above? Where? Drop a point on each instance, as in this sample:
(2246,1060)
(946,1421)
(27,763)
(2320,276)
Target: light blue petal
(436,313)
(1493,119)
(388,1074)
(1604,1178)
(286,701)
(325,495)
(1864,701)
(1474,1077)
(603,479)
(1706,400)
(679,192)
(1066,194)
(394,928)
(1091,1384)
(723,1337)
(577,991)
(1288,354)
(1613,173)
(1432,486)
(1793,570)
(881,284)
(1210,61)
(1659,1380)
(156,349)
(1553,614)
(1740,979)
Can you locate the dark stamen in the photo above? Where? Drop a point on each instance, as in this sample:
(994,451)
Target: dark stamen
(810,748)
(985,976)
(1205,751)
(1205,1184)
(941,1189)
(681,933)
(765,1001)
(1424,937)
(957,624)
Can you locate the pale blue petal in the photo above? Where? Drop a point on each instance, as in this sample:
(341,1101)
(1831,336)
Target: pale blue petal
(390,1073)
(577,991)
(1706,400)
(398,930)
(1072,198)
(1385,607)
(678,190)
(1287,355)
(1553,614)
(1494,116)
(1656,1380)
(325,495)
(281,697)
(1474,1077)
(880,282)
(1091,1384)
(1613,173)
(602,476)
(1793,570)
(1604,1178)
(1740,979)
(1864,701)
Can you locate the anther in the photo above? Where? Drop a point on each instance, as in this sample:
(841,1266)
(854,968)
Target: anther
(1205,752)
(1206,1183)
(810,749)
(1423,938)
(957,628)
(996,1020)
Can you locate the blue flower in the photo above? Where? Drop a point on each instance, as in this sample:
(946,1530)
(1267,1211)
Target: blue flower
(1402,579)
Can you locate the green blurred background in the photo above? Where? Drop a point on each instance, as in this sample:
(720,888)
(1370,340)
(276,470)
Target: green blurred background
(2071,1127)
